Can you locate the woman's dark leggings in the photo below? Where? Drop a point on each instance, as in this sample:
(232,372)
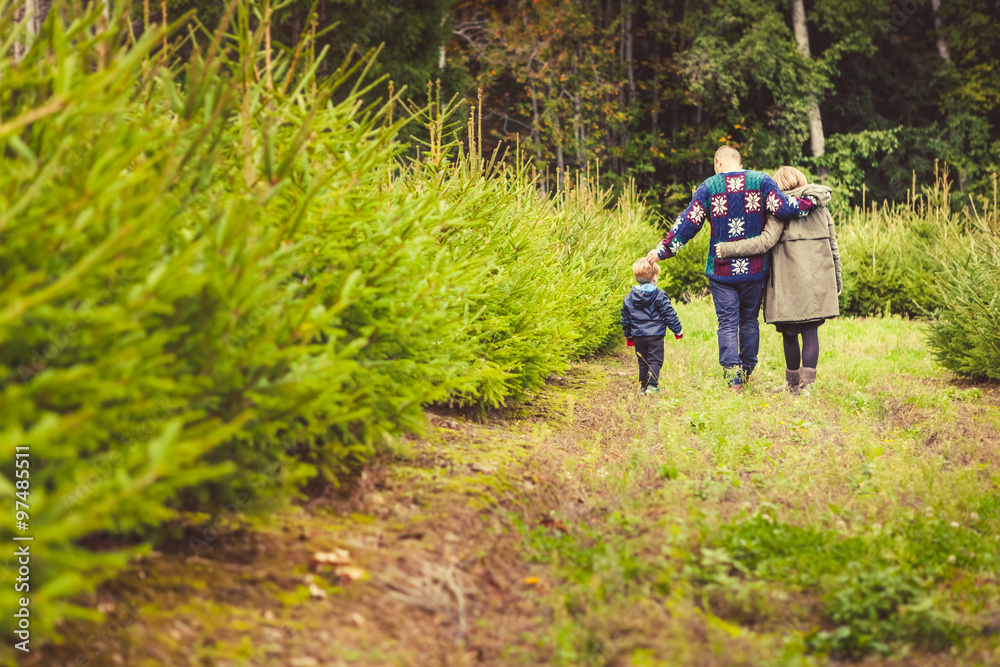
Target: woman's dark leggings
(810,349)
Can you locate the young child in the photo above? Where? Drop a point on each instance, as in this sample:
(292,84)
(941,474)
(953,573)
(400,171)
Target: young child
(646,314)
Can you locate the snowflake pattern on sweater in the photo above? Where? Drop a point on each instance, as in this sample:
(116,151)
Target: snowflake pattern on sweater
(739,202)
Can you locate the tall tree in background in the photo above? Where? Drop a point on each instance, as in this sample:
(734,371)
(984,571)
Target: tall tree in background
(557,74)
(942,43)
(411,35)
(30,15)
(816,138)
(649,88)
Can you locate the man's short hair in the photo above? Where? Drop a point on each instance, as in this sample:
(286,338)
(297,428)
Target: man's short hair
(644,270)
(728,153)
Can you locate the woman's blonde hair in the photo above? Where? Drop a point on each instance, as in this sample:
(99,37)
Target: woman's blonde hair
(644,270)
(789,178)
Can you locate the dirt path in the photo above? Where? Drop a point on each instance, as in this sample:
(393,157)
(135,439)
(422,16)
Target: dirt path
(426,566)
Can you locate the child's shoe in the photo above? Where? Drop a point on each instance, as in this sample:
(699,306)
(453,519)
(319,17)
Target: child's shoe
(651,390)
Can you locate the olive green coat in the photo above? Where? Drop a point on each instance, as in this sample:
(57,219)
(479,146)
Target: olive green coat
(805,262)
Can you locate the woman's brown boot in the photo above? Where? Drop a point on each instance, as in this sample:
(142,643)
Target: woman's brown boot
(792,379)
(807,376)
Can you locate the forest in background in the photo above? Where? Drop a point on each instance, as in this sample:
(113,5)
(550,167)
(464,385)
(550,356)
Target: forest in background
(863,92)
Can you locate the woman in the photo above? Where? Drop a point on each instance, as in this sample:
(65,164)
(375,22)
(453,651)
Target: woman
(805,280)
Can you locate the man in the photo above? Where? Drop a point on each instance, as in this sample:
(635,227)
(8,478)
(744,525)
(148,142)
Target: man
(735,202)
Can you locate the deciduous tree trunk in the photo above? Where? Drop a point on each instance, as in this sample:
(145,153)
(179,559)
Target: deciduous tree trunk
(654,110)
(560,165)
(628,55)
(32,14)
(816,139)
(536,135)
(442,56)
(577,109)
(942,43)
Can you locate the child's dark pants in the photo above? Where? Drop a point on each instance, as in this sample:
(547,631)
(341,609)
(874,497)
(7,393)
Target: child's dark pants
(649,350)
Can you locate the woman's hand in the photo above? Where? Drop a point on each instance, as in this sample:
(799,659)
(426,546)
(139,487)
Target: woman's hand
(718,250)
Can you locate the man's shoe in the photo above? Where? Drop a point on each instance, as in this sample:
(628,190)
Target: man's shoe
(736,388)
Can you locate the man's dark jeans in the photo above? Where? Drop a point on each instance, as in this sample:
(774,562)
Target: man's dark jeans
(649,350)
(737,306)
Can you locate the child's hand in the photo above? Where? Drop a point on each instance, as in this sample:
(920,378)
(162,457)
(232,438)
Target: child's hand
(679,336)
(629,342)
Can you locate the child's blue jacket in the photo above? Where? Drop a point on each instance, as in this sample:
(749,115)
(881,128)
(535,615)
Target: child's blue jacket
(647,312)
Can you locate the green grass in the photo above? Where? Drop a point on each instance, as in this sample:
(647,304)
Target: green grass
(862,520)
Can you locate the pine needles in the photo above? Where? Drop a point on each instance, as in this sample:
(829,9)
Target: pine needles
(215,288)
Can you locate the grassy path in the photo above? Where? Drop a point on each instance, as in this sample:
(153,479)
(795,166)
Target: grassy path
(590,526)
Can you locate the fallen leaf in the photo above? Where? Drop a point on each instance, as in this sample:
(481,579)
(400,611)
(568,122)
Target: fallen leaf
(348,573)
(332,557)
(412,535)
(549,522)
(358,619)
(198,560)
(316,592)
